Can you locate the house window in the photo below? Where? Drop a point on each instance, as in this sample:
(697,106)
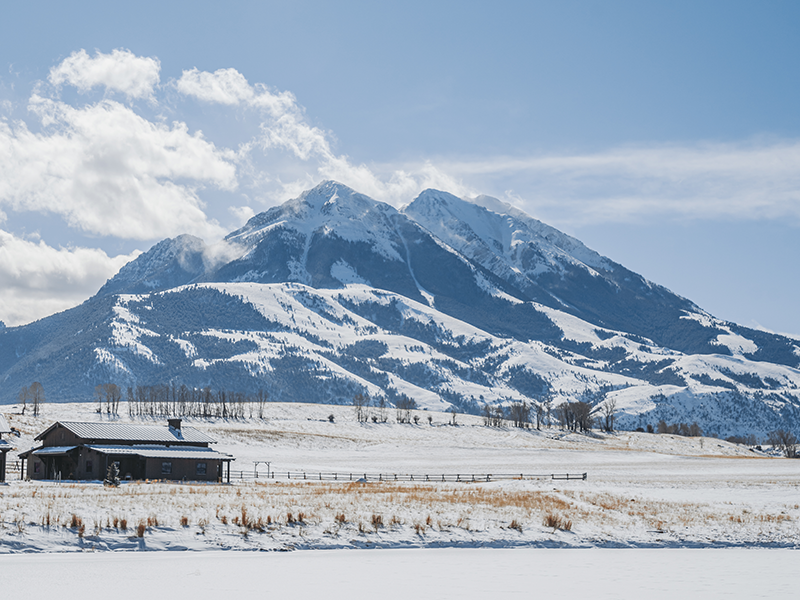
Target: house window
(166,468)
(36,466)
(88,466)
(201,468)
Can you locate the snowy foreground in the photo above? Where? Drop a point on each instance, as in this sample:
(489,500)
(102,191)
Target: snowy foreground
(642,491)
(390,574)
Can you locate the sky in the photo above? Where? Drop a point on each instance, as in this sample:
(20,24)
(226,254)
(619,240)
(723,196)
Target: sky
(665,136)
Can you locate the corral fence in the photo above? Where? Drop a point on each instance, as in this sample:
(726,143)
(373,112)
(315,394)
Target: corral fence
(380,477)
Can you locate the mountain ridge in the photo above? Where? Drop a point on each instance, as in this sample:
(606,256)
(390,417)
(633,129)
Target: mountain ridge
(447,301)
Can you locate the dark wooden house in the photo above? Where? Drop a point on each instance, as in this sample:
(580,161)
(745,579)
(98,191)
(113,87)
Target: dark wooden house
(5,447)
(84,451)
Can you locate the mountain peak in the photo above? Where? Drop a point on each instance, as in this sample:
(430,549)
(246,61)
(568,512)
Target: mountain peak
(171,262)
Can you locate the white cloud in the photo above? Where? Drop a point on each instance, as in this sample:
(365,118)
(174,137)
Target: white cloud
(706,181)
(242,214)
(121,71)
(38,280)
(109,171)
(284,127)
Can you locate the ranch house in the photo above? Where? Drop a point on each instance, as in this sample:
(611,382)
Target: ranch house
(84,451)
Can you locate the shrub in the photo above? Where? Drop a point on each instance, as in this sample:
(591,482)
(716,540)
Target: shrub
(557,522)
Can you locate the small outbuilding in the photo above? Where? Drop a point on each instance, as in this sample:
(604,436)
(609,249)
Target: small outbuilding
(84,451)
(5,447)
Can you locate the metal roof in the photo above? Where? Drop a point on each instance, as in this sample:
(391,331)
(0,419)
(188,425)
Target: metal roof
(4,428)
(52,450)
(162,452)
(5,446)
(130,432)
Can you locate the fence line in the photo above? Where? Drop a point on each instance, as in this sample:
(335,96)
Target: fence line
(14,467)
(380,477)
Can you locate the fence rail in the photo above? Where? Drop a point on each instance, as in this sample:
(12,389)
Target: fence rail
(380,477)
(14,467)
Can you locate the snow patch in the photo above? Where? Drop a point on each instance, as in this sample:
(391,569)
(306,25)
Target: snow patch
(345,273)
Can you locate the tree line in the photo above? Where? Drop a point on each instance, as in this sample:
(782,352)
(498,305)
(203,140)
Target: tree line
(173,400)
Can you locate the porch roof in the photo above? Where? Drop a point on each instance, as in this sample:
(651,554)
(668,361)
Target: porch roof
(52,450)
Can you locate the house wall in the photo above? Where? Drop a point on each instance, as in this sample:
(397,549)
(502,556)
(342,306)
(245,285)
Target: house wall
(61,436)
(183,468)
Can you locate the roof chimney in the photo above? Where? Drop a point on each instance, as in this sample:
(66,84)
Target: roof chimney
(174,424)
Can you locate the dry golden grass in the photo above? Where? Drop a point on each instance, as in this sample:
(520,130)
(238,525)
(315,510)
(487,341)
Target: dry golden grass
(367,508)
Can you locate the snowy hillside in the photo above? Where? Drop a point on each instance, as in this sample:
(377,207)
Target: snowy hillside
(449,303)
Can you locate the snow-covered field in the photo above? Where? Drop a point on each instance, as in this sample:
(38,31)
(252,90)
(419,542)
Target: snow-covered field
(389,574)
(642,490)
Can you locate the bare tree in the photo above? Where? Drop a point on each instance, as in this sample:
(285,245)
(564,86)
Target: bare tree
(453,411)
(360,403)
(583,415)
(608,413)
(382,406)
(575,416)
(404,405)
(785,441)
(113,396)
(24,395)
(37,397)
(520,413)
(261,399)
(540,413)
(492,415)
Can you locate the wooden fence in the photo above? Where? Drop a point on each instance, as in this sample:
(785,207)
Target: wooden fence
(13,468)
(379,477)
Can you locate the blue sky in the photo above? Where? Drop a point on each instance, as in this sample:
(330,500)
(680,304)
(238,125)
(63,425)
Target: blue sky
(664,135)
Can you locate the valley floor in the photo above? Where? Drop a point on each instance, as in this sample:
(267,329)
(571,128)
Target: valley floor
(642,490)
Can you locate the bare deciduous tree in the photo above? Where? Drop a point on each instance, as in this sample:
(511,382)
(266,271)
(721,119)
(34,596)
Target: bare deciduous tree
(24,395)
(784,440)
(360,403)
(37,397)
(608,413)
(520,413)
(404,405)
(453,411)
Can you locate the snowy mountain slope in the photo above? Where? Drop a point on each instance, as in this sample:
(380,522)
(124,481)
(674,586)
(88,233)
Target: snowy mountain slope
(557,270)
(333,293)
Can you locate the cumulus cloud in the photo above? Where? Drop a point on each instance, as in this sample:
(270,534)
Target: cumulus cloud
(121,71)
(38,280)
(284,127)
(109,171)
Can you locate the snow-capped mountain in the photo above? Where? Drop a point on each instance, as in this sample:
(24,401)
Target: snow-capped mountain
(449,302)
